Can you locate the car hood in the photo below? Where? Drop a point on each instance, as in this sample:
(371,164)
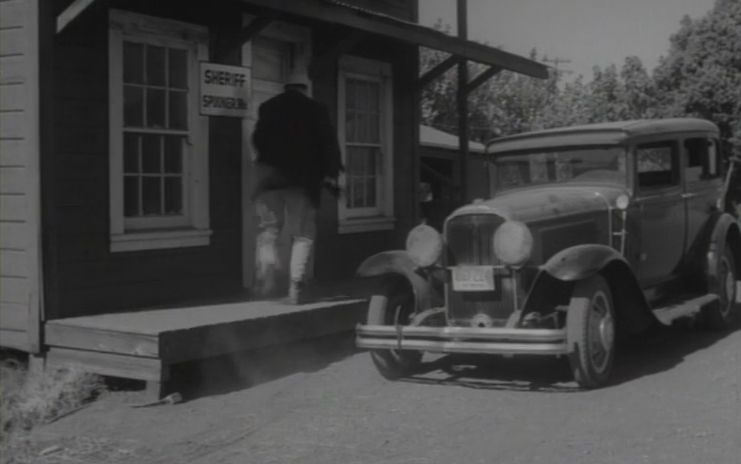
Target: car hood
(535,204)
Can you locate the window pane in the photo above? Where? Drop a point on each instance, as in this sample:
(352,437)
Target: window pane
(131,196)
(173,154)
(370,192)
(356,196)
(152,195)
(178,69)
(133,106)
(155,65)
(131,153)
(155,108)
(151,154)
(178,110)
(173,195)
(133,63)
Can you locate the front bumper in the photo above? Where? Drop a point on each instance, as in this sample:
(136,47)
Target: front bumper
(463,339)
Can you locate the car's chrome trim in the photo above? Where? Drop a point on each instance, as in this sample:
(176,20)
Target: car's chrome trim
(463,339)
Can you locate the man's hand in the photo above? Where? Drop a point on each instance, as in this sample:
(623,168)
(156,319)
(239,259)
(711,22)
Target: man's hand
(333,185)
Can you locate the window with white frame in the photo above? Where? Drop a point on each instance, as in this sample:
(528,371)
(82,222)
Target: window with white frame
(365,129)
(158,141)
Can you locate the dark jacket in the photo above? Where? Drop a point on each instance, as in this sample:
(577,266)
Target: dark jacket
(294,135)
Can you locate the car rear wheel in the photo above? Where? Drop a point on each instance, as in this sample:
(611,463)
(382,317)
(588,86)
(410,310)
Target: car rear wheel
(721,316)
(393,306)
(590,327)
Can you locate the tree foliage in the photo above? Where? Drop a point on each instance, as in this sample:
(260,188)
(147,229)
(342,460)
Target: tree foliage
(700,76)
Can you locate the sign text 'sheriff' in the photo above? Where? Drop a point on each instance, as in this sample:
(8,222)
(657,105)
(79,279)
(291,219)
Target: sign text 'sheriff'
(225,90)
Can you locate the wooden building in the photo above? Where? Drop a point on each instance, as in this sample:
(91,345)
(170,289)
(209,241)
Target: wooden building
(125,184)
(440,165)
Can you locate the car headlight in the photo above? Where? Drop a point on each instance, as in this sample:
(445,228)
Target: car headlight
(424,245)
(513,243)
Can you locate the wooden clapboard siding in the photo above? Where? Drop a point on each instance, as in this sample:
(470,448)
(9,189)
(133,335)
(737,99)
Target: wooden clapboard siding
(20,310)
(89,278)
(355,247)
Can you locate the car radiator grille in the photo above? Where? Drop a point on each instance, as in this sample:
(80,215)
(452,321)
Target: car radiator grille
(469,241)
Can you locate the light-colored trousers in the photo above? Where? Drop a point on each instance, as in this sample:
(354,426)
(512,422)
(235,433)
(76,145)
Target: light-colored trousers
(286,210)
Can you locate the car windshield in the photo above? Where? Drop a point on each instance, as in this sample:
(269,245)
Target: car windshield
(559,166)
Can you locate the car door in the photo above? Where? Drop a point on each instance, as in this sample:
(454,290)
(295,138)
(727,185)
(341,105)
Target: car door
(661,211)
(702,182)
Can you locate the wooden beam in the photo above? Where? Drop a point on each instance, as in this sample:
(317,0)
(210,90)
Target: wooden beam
(330,56)
(405,31)
(437,71)
(252,29)
(71,13)
(247,33)
(481,78)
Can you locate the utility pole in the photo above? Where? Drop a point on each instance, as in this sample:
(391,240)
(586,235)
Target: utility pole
(462,100)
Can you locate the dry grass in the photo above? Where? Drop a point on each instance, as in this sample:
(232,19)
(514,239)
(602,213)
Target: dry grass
(29,399)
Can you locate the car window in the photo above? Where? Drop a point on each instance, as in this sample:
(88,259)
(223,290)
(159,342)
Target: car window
(557,166)
(657,165)
(702,159)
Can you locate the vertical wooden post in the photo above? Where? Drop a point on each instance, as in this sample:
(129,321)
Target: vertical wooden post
(462,101)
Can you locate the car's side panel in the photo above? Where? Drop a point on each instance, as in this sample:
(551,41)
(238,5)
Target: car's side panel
(398,262)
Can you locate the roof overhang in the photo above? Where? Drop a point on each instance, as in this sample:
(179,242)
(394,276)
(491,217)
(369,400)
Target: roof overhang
(341,13)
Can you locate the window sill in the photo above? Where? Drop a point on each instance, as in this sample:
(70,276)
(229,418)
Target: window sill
(351,226)
(182,238)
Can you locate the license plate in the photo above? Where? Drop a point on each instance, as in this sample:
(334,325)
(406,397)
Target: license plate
(473,279)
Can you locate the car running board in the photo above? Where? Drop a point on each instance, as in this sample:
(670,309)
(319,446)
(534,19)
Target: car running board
(686,308)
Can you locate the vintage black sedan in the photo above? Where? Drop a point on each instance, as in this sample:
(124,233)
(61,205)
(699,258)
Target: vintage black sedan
(591,233)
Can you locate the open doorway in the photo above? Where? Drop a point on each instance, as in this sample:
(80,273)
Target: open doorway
(273,55)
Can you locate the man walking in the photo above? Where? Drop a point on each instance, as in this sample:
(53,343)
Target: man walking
(297,154)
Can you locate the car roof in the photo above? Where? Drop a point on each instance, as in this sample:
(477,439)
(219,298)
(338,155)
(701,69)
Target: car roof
(606,133)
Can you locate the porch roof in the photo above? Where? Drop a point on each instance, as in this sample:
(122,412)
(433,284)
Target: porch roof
(342,13)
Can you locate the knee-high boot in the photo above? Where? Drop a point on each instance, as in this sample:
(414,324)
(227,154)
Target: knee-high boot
(300,253)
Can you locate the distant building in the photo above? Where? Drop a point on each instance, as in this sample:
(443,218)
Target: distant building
(440,165)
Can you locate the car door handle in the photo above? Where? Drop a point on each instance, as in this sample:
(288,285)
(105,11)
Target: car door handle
(687,196)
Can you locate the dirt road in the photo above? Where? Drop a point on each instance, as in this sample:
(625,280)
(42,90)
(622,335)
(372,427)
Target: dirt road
(676,398)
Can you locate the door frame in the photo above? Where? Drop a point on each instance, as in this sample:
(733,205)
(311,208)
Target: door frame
(300,37)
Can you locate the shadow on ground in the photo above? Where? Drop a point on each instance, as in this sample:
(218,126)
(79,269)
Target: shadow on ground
(658,350)
(247,369)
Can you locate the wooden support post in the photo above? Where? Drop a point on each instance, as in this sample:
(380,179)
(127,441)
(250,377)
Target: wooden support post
(159,388)
(247,33)
(463,132)
(330,56)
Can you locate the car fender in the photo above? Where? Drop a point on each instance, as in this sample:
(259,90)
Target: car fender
(725,233)
(580,261)
(583,261)
(399,263)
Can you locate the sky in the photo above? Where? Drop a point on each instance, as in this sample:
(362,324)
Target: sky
(584,32)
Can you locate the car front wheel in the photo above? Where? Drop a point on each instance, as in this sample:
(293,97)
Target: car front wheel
(590,328)
(393,306)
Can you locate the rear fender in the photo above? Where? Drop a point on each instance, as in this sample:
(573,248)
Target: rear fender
(726,233)
(583,261)
(398,263)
